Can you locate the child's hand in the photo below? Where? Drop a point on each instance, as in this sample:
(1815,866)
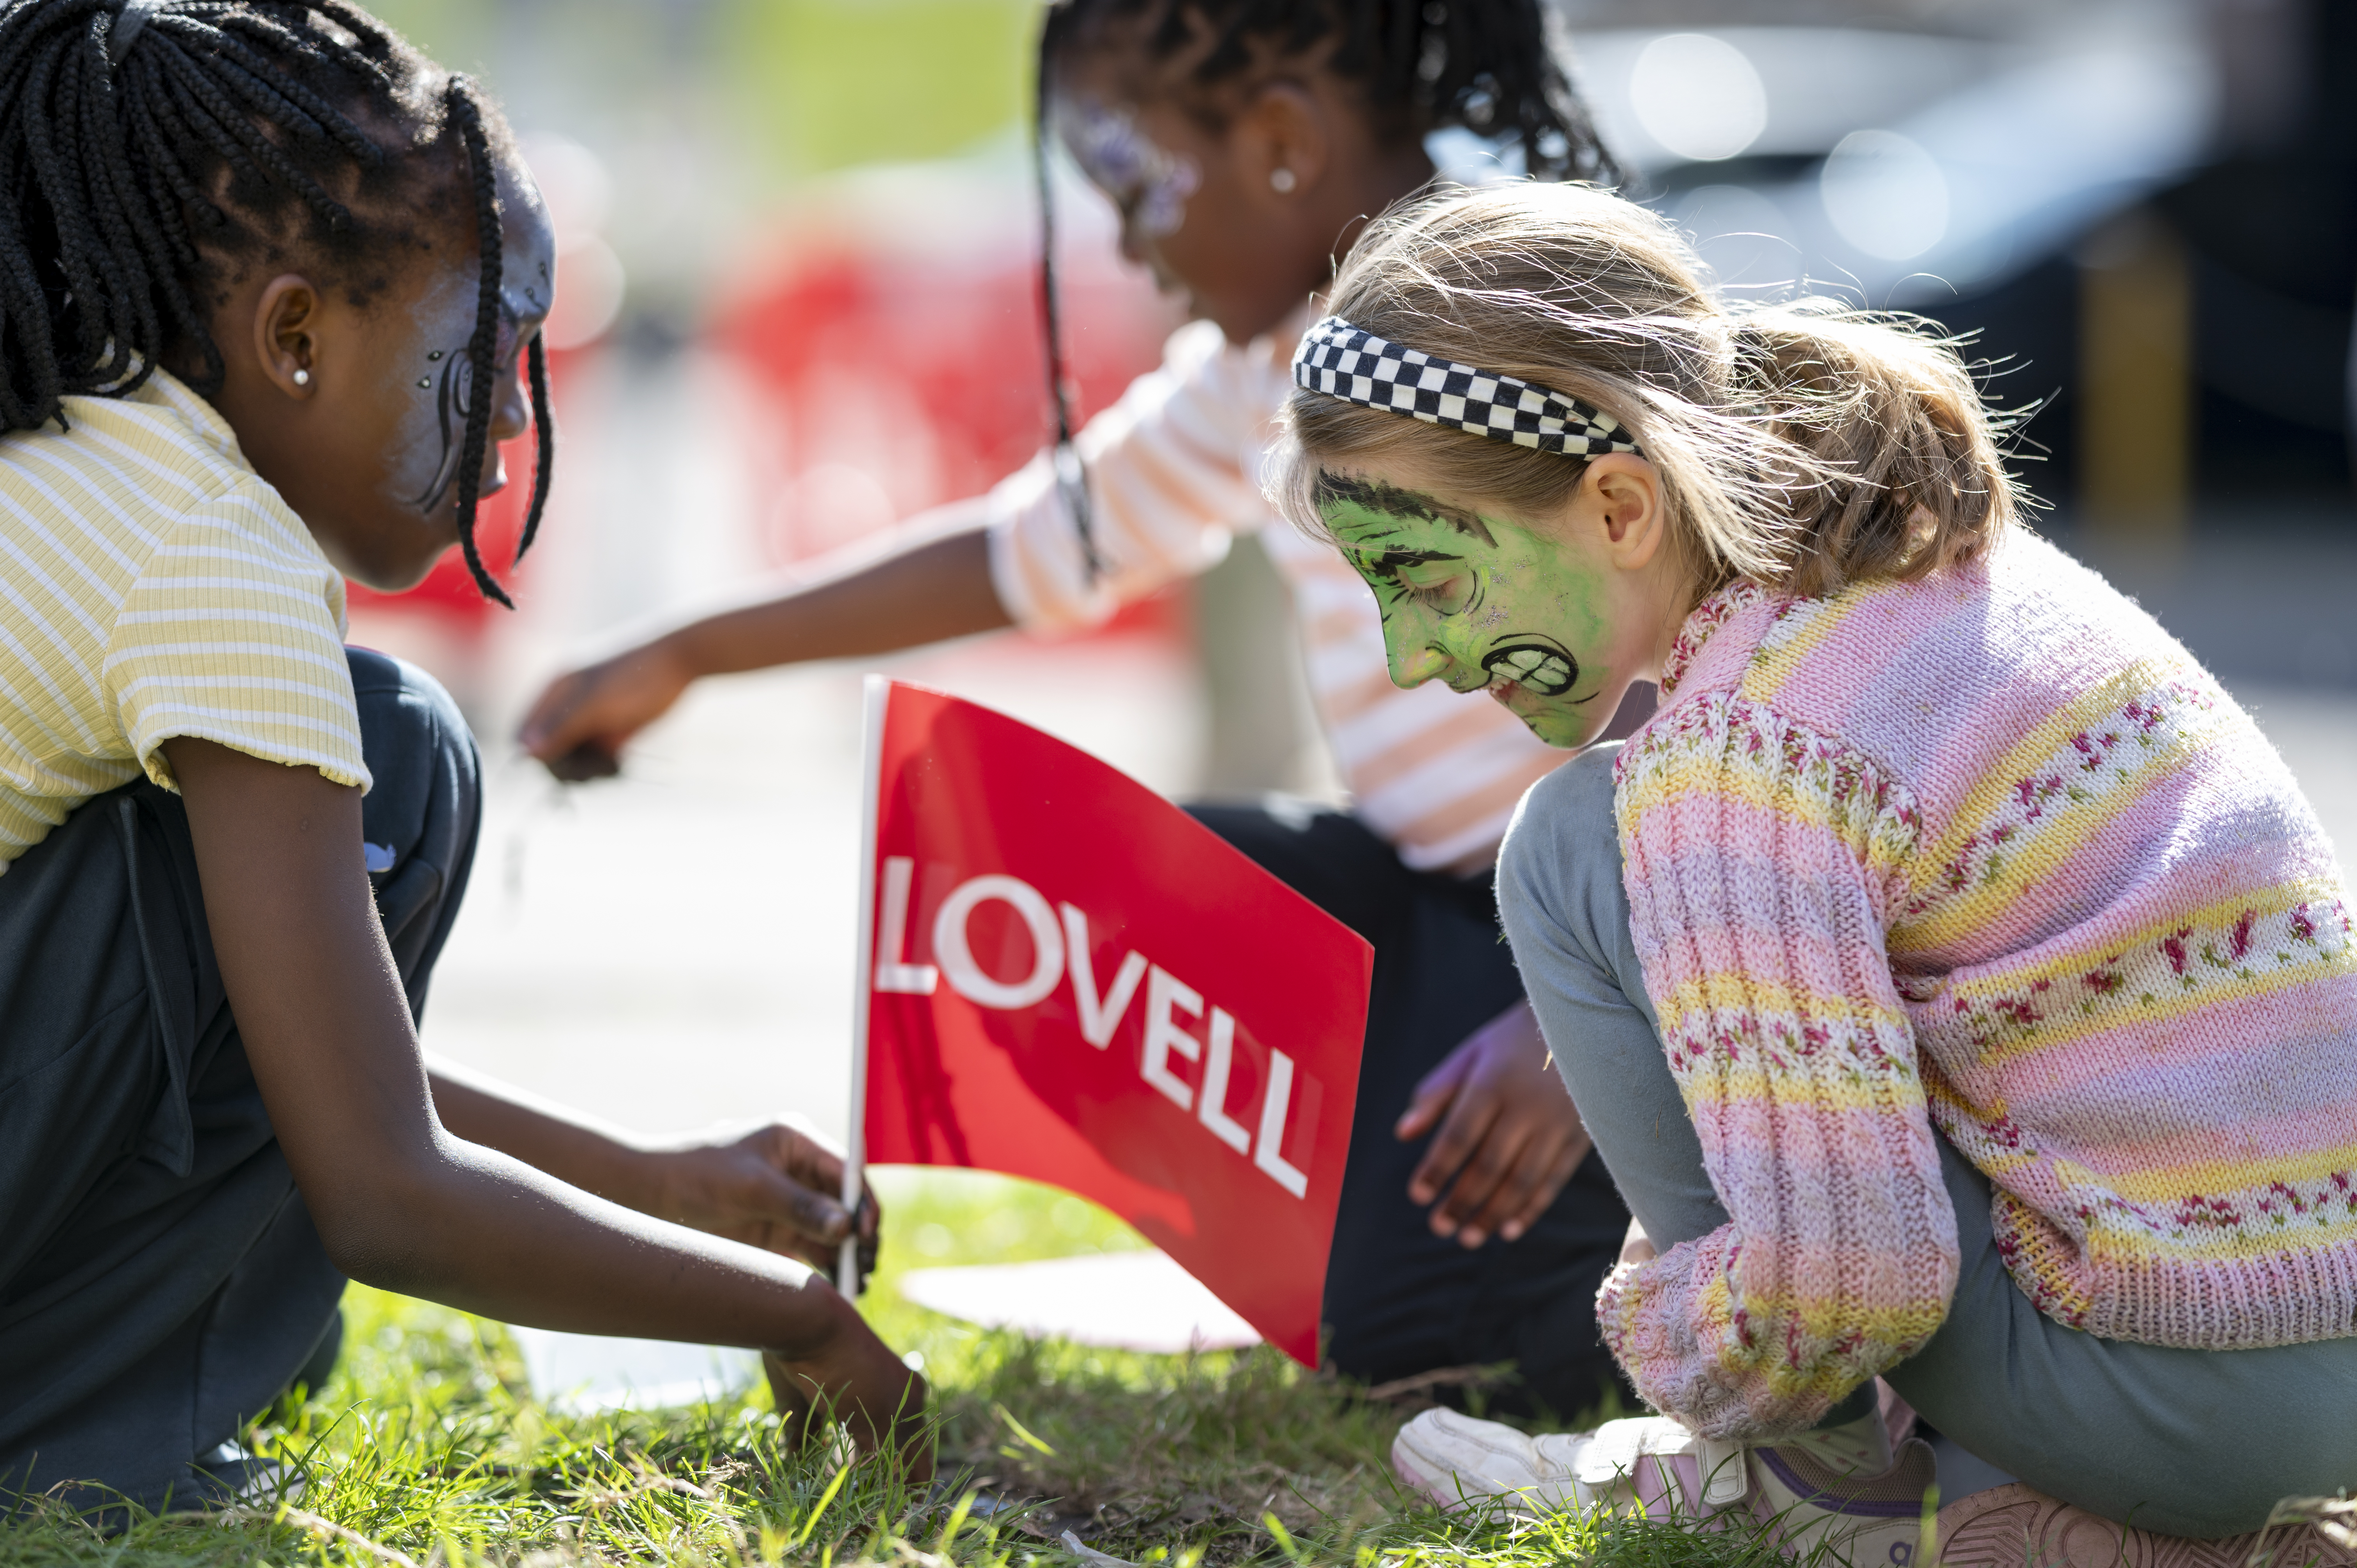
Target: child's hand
(854,1377)
(774,1188)
(592,711)
(1637,1247)
(1512,1137)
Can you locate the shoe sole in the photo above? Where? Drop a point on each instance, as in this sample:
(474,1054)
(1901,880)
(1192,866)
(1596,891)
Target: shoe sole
(2016,1527)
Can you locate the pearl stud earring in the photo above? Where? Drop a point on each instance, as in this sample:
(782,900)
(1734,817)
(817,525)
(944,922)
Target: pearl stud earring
(1281,181)
(301,377)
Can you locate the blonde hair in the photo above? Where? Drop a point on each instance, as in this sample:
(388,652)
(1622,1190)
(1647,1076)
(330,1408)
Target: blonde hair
(1804,446)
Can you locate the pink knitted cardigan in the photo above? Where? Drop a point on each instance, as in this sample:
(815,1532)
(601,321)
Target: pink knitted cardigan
(1991,853)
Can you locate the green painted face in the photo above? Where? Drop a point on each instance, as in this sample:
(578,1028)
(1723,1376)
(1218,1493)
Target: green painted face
(1479,603)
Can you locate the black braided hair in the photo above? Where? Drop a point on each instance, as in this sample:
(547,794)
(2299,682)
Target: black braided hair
(1071,479)
(1422,65)
(482,348)
(151,149)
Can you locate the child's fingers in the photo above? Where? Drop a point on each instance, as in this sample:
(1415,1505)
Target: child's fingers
(1535,1185)
(607,702)
(817,1216)
(1466,1212)
(785,1202)
(1469,1119)
(870,1228)
(1509,1191)
(547,729)
(585,762)
(1432,1097)
(795,1150)
(593,707)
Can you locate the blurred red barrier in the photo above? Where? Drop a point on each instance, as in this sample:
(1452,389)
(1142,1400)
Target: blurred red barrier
(896,382)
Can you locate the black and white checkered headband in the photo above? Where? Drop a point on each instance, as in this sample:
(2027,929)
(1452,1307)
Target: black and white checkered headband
(1341,361)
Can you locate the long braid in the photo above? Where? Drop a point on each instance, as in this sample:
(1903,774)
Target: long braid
(543,440)
(75,242)
(169,188)
(125,241)
(482,348)
(148,145)
(174,196)
(1071,477)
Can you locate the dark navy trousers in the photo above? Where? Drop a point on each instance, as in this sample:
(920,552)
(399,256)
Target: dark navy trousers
(1399,1300)
(160,1280)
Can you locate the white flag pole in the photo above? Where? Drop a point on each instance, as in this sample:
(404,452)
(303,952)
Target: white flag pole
(878,693)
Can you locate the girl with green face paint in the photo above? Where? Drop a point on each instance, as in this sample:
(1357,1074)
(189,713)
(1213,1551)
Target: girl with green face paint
(1926,970)
(1553,610)
(1482,603)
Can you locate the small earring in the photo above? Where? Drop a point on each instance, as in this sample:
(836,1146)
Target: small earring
(301,377)
(1281,181)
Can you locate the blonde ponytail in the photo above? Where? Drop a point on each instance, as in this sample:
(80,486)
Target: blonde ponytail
(1803,445)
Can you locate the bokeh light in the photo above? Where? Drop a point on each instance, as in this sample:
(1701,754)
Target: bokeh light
(1698,96)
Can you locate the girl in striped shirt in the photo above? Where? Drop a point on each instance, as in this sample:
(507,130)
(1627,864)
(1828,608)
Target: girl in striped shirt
(265,278)
(1243,143)
(1976,1002)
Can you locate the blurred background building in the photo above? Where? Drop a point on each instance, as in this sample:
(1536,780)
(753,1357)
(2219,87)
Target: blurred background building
(797,308)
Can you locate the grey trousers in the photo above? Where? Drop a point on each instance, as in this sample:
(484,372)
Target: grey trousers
(160,1280)
(2190,1443)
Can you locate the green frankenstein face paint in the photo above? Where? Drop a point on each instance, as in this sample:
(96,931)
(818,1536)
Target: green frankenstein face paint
(1477,602)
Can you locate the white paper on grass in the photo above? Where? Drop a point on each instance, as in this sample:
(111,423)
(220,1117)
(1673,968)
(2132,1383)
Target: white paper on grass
(1121,1301)
(587,1373)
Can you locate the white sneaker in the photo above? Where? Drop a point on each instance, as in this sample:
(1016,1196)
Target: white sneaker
(1652,1466)
(1453,1459)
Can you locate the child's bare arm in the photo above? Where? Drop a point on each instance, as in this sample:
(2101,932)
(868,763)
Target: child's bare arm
(935,590)
(773,1186)
(402,1203)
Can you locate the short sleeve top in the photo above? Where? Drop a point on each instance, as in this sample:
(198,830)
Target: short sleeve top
(155,585)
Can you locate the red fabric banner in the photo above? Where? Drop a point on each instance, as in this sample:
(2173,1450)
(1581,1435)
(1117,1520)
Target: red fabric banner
(1075,982)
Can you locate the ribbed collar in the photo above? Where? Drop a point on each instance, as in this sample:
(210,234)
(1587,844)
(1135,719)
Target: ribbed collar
(1708,618)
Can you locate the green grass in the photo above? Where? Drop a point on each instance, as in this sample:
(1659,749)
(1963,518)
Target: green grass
(426,1449)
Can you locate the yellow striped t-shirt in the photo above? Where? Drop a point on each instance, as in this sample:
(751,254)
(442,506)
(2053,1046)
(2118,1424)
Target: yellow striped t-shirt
(155,586)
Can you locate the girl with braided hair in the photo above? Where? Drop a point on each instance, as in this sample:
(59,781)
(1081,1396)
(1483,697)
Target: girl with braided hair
(266,274)
(1244,142)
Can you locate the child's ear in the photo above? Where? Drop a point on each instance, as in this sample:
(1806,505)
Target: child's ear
(1627,498)
(1282,142)
(287,323)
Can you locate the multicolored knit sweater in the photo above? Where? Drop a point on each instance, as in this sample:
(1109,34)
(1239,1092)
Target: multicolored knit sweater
(1989,852)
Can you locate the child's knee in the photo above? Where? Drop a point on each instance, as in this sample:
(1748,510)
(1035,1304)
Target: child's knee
(421,756)
(404,712)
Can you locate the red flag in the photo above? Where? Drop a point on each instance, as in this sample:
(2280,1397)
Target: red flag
(1066,978)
